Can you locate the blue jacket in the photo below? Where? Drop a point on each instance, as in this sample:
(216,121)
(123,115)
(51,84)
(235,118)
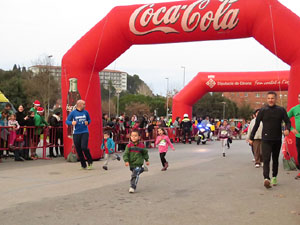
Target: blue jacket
(110,145)
(80,117)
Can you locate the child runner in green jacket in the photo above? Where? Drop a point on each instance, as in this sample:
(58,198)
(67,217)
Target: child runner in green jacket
(134,156)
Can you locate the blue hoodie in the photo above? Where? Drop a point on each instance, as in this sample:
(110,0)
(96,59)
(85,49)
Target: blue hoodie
(80,117)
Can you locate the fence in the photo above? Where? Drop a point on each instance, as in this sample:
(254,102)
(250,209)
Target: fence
(122,137)
(30,138)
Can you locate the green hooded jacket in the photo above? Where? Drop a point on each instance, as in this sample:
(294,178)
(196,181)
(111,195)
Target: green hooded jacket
(135,154)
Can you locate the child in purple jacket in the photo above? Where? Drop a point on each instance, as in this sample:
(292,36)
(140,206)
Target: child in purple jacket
(163,143)
(223,134)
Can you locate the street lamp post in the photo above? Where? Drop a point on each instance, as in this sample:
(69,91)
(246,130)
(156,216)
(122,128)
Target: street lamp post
(224,103)
(49,74)
(183,67)
(118,90)
(167,96)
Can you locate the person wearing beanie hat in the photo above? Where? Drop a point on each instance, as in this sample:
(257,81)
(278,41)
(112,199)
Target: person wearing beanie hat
(39,123)
(80,119)
(36,104)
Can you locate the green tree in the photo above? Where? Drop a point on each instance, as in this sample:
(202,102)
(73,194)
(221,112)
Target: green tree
(157,103)
(11,83)
(245,111)
(213,106)
(133,83)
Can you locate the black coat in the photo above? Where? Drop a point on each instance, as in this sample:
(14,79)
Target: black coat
(20,118)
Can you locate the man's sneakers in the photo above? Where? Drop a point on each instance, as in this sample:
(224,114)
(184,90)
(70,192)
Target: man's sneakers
(267,183)
(90,167)
(118,157)
(223,154)
(104,167)
(131,190)
(297,177)
(257,165)
(274,181)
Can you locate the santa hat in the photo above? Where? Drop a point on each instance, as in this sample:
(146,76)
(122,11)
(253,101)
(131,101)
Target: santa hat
(37,103)
(40,109)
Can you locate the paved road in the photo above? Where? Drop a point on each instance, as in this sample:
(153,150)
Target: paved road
(200,188)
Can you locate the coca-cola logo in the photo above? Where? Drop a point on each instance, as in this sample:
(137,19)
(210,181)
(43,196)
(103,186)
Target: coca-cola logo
(190,16)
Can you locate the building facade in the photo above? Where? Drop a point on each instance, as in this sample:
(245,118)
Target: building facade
(255,99)
(117,78)
(55,71)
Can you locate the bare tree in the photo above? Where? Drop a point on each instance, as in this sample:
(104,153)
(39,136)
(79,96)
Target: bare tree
(42,85)
(137,108)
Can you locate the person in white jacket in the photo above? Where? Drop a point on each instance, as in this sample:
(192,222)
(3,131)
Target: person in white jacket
(257,140)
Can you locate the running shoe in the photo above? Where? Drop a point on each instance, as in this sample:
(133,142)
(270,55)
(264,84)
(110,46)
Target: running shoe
(118,157)
(223,154)
(257,165)
(298,177)
(274,181)
(267,183)
(131,190)
(90,167)
(104,167)
(82,168)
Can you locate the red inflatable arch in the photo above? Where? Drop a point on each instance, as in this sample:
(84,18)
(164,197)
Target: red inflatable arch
(268,21)
(206,82)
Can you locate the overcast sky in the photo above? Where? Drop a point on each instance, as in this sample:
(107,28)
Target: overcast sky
(33,29)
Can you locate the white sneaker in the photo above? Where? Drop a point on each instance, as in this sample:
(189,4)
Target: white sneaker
(253,160)
(257,165)
(131,190)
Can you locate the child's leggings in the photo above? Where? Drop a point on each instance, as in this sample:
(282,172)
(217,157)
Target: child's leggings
(224,144)
(12,137)
(162,158)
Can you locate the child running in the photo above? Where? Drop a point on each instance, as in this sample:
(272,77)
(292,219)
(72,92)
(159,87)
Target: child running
(134,156)
(108,146)
(163,143)
(224,134)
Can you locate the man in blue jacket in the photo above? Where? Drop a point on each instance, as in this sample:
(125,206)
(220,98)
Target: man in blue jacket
(80,119)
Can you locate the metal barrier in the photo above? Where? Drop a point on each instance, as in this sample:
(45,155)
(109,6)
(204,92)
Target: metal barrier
(30,138)
(149,137)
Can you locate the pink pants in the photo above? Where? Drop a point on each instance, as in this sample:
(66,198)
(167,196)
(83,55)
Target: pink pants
(12,137)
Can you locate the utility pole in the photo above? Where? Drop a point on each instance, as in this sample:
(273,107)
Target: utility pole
(183,67)
(167,97)
(49,75)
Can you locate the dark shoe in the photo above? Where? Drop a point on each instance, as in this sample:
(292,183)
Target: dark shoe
(164,169)
(104,167)
(166,165)
(19,159)
(28,158)
(118,157)
(224,154)
(267,184)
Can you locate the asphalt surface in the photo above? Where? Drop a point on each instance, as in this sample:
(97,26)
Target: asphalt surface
(200,187)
